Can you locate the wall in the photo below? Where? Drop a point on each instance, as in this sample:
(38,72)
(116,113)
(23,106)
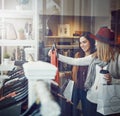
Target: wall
(99,10)
(86,7)
(77,23)
(12,4)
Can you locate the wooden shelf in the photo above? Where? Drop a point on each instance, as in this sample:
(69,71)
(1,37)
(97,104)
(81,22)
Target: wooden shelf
(5,42)
(61,37)
(56,39)
(74,46)
(16,14)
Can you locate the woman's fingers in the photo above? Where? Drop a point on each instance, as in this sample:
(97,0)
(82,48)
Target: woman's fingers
(108,77)
(49,53)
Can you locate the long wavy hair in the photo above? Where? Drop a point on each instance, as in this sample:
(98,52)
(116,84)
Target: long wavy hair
(89,37)
(105,52)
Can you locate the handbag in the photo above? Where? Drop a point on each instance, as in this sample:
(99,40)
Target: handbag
(68,90)
(109,99)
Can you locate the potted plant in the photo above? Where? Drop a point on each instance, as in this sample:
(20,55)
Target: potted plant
(6,58)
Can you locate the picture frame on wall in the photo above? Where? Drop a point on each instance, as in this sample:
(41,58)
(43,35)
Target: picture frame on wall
(64,30)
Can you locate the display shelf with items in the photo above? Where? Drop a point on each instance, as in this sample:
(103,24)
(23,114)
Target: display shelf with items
(57,28)
(18,32)
(18,27)
(63,42)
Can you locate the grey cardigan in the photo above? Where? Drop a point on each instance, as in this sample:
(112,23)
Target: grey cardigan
(114,66)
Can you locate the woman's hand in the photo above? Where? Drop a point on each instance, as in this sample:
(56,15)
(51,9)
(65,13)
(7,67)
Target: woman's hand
(52,49)
(108,78)
(49,52)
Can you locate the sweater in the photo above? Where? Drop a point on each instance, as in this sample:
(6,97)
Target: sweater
(114,66)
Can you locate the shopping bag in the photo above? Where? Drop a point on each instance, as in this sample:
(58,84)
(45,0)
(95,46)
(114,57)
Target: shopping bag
(68,90)
(108,99)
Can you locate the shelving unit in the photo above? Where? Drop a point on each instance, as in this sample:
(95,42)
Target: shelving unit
(18,31)
(72,23)
(14,19)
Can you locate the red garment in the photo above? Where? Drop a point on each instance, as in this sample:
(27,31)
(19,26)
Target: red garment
(54,61)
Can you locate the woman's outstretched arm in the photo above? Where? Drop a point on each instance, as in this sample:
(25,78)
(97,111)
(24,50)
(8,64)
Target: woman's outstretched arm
(75,61)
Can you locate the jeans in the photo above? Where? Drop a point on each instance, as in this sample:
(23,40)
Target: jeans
(79,94)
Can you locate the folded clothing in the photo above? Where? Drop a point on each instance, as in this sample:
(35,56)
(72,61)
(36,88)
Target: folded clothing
(14,89)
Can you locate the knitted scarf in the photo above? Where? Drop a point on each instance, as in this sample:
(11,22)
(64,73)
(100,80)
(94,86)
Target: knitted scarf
(113,69)
(92,72)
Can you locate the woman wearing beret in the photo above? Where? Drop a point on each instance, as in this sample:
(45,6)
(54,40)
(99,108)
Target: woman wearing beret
(107,57)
